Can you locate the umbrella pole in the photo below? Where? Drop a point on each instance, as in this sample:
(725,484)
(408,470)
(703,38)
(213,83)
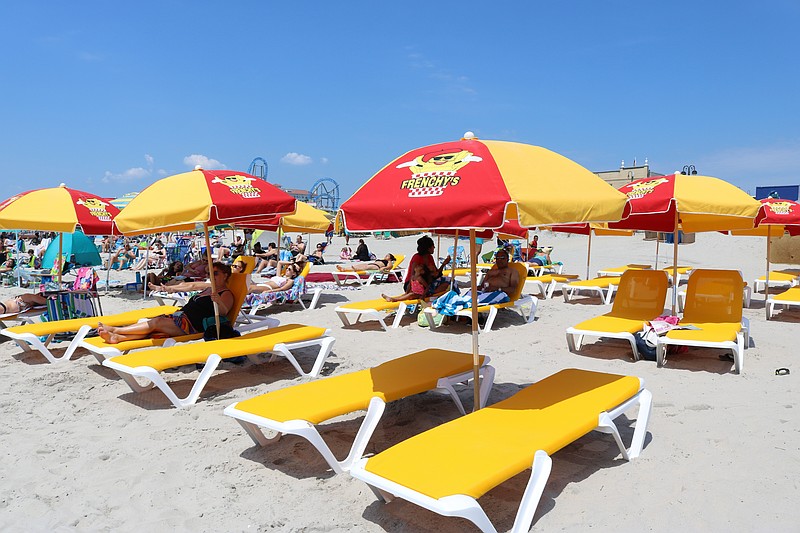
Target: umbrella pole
(211,275)
(588,253)
(657,241)
(675,264)
(476,362)
(766,277)
(60,259)
(453,263)
(108,264)
(147,267)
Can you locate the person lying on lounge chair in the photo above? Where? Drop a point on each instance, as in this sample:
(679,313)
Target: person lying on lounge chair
(279,283)
(187,321)
(384,265)
(21,303)
(166,276)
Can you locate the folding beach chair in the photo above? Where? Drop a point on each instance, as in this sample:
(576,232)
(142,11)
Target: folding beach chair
(447,468)
(640,298)
(298,409)
(788,298)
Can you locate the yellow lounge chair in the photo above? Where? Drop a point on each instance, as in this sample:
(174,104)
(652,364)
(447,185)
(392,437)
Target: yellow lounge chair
(714,312)
(683,271)
(377,309)
(517,301)
(788,298)
(603,286)
(366,277)
(293,295)
(544,286)
(640,298)
(447,468)
(778,278)
(27,336)
(618,271)
(102,350)
(296,410)
(277,341)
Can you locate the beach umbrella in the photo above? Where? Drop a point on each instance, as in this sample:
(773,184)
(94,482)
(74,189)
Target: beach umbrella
(200,199)
(58,209)
(307,219)
(474,184)
(689,203)
(780,216)
(123,200)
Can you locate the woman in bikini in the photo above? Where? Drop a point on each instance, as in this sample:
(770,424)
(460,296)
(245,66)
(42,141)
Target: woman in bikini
(384,265)
(21,303)
(188,320)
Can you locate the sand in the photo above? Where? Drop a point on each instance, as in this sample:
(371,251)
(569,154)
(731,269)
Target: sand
(81,452)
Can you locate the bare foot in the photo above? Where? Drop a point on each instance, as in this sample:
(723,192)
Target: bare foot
(340,268)
(387,298)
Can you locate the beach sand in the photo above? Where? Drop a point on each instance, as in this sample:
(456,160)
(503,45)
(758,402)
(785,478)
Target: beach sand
(81,452)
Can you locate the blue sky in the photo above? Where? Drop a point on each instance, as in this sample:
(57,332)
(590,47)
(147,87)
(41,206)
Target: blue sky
(110,96)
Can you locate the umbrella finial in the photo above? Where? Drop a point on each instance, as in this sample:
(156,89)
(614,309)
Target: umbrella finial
(468,136)
(62,185)
(198,167)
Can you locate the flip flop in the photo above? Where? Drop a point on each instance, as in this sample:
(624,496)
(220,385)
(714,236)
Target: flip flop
(782,372)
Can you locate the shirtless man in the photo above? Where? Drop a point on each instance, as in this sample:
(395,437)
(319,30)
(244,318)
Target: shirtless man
(501,278)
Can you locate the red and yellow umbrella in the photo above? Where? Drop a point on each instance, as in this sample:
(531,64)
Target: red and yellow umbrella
(205,197)
(780,216)
(58,209)
(202,198)
(475,184)
(689,203)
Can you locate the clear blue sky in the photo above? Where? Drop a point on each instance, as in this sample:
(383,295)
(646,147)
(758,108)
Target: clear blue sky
(110,96)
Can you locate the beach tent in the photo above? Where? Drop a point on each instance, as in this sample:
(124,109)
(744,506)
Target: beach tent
(77,244)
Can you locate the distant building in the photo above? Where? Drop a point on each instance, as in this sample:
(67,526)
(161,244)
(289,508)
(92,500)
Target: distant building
(785,192)
(619,177)
(299,194)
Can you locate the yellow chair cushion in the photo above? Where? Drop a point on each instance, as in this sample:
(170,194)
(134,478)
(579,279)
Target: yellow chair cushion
(780,276)
(708,332)
(323,399)
(789,295)
(138,344)
(378,304)
(602,282)
(120,319)
(252,343)
(474,453)
(611,324)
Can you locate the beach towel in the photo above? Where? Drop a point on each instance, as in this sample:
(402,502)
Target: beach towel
(293,294)
(451,302)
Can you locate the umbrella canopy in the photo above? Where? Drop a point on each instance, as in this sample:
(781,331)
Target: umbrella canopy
(123,200)
(306,219)
(476,185)
(480,184)
(74,244)
(58,209)
(780,216)
(689,203)
(202,197)
(699,203)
